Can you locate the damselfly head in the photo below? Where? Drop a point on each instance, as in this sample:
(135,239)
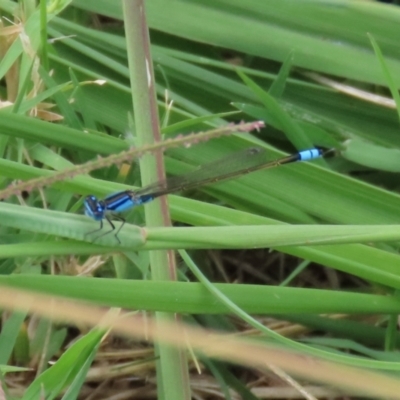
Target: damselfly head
(94,208)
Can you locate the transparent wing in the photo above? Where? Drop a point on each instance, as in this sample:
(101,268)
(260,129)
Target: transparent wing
(231,166)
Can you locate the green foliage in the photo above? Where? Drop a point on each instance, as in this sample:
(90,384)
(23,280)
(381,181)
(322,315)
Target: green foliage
(277,44)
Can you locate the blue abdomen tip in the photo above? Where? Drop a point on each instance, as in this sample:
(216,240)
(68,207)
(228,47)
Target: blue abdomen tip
(309,154)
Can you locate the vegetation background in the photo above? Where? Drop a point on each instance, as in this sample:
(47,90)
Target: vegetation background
(310,249)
